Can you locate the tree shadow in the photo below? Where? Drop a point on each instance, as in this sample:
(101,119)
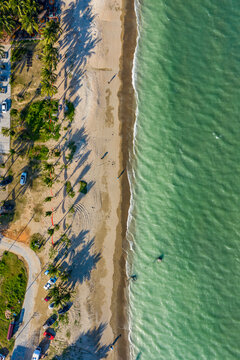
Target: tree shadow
(88,346)
(83,262)
(78,42)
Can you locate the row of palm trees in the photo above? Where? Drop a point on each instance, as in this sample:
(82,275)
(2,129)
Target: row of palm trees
(51,33)
(60,294)
(15,13)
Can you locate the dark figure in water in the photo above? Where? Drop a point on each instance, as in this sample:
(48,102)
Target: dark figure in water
(160,258)
(133,277)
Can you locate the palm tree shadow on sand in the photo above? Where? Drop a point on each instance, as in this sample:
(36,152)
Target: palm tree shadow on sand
(78,42)
(88,346)
(83,262)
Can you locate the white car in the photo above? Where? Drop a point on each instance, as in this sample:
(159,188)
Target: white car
(23,178)
(47,286)
(36,354)
(4,106)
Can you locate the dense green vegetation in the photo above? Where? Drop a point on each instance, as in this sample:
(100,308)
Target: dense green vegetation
(13,281)
(37,240)
(18,13)
(38,152)
(40,121)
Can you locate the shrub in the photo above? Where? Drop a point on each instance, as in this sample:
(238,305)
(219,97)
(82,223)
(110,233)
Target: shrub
(47,199)
(69,189)
(83,187)
(48,213)
(72,147)
(36,241)
(71,209)
(39,152)
(13,112)
(5,131)
(57,153)
(69,111)
(48,181)
(50,232)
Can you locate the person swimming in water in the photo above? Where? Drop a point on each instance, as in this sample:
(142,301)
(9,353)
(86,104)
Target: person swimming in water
(133,277)
(160,258)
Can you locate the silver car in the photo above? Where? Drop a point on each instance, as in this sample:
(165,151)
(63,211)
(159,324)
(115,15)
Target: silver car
(23,178)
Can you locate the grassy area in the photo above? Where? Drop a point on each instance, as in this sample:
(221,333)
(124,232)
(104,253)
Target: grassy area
(26,73)
(13,282)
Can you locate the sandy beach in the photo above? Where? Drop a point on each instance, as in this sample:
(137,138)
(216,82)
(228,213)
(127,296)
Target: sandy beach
(95,74)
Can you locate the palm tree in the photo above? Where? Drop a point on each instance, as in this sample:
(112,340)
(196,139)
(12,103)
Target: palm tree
(48,181)
(27,12)
(51,32)
(48,213)
(53,270)
(50,49)
(7,22)
(48,75)
(48,88)
(50,59)
(54,291)
(62,298)
(48,167)
(28,23)
(64,275)
(65,239)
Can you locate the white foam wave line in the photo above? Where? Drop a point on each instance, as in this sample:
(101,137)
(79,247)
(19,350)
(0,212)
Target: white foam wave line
(131,177)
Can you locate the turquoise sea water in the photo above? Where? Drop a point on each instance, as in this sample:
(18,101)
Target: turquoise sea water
(186,182)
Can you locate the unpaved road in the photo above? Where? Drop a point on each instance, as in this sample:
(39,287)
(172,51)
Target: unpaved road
(25,342)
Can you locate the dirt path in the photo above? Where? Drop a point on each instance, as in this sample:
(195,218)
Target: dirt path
(26,339)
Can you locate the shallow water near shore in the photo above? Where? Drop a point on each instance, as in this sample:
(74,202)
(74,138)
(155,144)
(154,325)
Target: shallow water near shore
(185,182)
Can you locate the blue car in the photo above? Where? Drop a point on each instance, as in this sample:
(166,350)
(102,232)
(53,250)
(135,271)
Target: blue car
(53,280)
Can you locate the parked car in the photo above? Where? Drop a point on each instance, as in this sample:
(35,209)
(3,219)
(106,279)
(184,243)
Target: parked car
(47,286)
(51,306)
(37,354)
(46,272)
(3,66)
(53,280)
(2,357)
(4,107)
(47,298)
(50,321)
(23,178)
(64,309)
(6,181)
(3,78)
(48,335)
(7,207)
